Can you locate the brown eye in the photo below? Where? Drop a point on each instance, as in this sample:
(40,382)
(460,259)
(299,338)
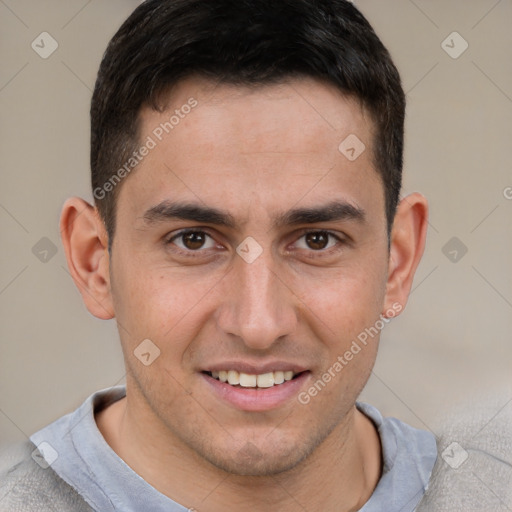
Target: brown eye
(317,241)
(321,242)
(192,241)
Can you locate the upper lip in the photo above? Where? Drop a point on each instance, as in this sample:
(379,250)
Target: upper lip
(255,368)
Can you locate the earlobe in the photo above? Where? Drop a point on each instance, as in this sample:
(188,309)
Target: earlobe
(86,245)
(406,249)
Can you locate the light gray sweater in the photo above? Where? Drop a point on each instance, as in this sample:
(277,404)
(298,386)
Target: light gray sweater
(26,487)
(473,472)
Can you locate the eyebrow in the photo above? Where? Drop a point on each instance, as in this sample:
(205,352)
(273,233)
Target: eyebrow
(333,211)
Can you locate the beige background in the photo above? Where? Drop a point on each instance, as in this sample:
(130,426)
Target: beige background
(454,339)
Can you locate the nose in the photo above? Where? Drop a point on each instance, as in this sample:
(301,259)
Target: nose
(257,305)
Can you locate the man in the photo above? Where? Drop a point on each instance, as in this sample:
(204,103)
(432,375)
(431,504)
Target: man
(248,238)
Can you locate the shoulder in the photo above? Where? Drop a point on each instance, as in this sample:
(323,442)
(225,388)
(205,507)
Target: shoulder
(408,456)
(400,439)
(474,467)
(29,486)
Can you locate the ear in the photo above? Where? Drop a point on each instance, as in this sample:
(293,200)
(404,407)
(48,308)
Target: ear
(85,242)
(406,249)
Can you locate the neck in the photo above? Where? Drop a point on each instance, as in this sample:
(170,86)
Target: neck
(346,466)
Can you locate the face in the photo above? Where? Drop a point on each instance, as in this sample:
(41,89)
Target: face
(247,242)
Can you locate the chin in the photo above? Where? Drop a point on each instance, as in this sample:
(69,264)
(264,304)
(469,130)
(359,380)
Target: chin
(251,462)
(258,458)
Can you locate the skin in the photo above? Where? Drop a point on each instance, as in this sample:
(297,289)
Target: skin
(254,153)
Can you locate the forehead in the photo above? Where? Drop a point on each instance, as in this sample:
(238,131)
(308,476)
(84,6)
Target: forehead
(284,142)
(294,115)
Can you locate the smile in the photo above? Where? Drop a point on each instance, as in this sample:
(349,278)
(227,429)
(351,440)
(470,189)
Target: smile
(256,392)
(245,380)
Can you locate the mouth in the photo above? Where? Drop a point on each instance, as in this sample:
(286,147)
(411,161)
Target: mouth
(256,392)
(247,380)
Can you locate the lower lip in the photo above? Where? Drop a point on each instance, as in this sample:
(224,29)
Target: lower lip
(257,399)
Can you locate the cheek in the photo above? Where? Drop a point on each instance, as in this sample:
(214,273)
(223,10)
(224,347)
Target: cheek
(347,302)
(158,304)
(347,311)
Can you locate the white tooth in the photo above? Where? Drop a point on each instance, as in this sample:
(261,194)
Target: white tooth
(265,380)
(215,375)
(278,377)
(233,377)
(288,375)
(223,376)
(247,381)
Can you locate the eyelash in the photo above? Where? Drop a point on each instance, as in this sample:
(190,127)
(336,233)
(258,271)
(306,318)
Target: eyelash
(314,254)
